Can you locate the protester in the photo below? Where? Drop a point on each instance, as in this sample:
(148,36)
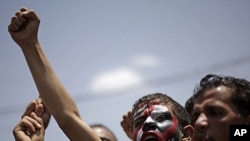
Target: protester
(218,102)
(24,31)
(157,117)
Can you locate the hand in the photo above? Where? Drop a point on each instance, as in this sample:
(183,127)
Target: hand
(31,127)
(24,26)
(126,124)
(42,111)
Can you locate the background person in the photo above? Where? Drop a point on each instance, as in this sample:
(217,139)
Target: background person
(218,102)
(103,132)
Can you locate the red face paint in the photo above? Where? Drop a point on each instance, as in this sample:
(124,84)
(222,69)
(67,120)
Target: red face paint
(156,121)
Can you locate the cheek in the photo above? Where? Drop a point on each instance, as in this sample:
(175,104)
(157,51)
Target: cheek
(171,129)
(163,126)
(137,134)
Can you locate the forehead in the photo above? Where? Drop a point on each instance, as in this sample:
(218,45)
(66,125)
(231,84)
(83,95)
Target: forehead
(102,132)
(152,108)
(220,95)
(151,102)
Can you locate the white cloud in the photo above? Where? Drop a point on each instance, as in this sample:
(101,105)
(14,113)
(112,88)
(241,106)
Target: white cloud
(115,80)
(145,61)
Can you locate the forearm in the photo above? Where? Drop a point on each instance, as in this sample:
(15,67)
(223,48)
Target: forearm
(56,98)
(51,90)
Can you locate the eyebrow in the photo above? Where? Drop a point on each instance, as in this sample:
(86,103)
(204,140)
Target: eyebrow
(213,107)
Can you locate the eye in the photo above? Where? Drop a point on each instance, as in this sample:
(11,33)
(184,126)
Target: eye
(104,139)
(215,112)
(160,118)
(163,116)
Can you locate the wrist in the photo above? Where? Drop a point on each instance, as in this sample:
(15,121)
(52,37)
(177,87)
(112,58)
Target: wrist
(28,43)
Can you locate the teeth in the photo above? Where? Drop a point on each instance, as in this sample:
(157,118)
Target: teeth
(150,137)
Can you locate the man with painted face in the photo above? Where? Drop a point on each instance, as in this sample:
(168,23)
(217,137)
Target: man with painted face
(157,117)
(217,103)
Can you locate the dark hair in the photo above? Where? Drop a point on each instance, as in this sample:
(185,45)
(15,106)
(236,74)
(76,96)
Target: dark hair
(240,90)
(178,110)
(98,125)
(189,108)
(189,105)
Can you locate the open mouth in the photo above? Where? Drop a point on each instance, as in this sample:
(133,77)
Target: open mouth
(150,138)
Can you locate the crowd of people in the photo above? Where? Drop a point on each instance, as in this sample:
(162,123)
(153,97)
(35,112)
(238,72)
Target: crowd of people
(217,102)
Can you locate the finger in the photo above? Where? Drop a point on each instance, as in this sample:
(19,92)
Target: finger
(35,120)
(124,122)
(29,124)
(125,125)
(130,114)
(30,108)
(17,20)
(13,26)
(126,128)
(39,110)
(126,119)
(38,103)
(23,9)
(43,112)
(38,120)
(23,21)
(30,15)
(129,117)
(39,100)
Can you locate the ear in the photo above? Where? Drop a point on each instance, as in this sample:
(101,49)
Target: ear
(188,133)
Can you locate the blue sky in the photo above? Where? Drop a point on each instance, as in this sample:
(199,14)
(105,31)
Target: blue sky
(110,53)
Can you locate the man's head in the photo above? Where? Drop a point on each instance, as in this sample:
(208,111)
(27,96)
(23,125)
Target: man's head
(218,102)
(157,117)
(103,132)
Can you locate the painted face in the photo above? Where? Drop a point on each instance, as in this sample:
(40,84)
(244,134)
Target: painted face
(155,122)
(212,115)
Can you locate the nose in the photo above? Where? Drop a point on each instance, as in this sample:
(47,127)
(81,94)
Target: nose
(148,126)
(201,122)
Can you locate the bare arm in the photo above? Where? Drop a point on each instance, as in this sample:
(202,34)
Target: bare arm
(23,29)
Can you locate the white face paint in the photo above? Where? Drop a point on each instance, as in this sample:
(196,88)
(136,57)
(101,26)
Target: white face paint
(154,122)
